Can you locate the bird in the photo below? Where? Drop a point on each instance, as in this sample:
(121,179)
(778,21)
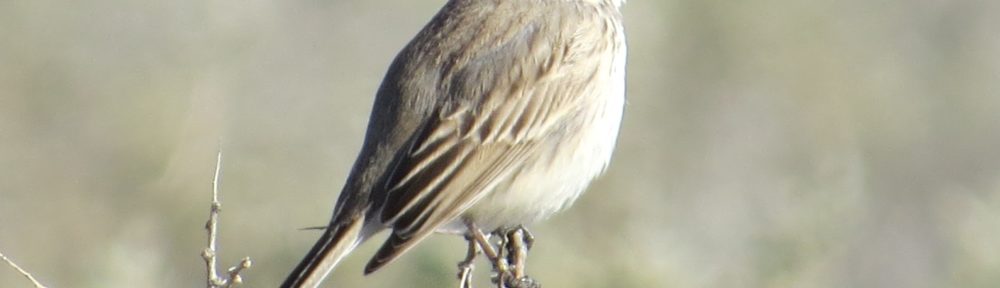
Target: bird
(497,114)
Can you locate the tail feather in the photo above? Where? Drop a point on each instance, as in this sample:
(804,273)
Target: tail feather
(335,243)
(392,248)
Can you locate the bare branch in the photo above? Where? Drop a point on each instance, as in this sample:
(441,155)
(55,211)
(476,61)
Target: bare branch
(22,271)
(214,280)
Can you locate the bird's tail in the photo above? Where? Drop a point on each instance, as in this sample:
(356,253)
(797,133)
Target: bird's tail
(337,241)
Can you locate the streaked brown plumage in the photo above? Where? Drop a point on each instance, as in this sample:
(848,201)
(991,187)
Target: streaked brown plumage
(499,112)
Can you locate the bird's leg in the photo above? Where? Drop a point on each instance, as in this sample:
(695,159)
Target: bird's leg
(516,252)
(499,262)
(503,252)
(465,267)
(520,240)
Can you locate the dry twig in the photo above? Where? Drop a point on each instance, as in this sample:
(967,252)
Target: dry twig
(22,271)
(232,277)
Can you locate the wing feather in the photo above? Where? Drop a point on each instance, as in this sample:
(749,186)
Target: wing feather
(506,98)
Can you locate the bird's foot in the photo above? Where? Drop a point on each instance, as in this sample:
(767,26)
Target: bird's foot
(508,256)
(529,239)
(514,245)
(517,251)
(524,282)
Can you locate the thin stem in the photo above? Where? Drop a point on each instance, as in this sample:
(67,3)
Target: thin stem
(212,226)
(22,271)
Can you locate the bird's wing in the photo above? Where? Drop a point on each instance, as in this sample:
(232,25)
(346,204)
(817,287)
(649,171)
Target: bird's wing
(508,96)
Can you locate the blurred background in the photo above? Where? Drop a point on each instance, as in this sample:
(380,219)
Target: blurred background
(765,144)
